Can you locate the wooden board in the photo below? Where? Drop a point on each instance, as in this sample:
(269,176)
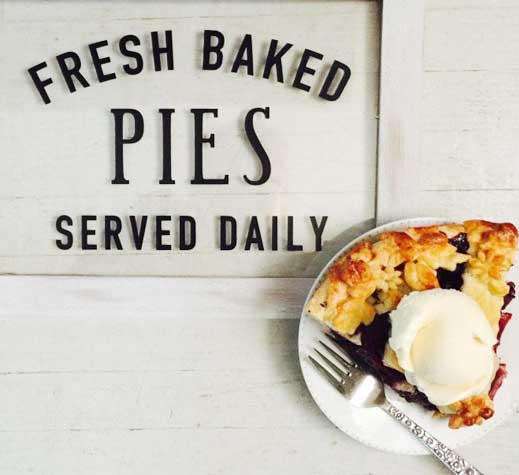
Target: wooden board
(58,159)
(187,390)
(400,105)
(468,164)
(199,375)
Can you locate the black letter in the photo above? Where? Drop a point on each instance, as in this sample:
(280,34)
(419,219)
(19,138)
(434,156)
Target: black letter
(160,233)
(318,231)
(325,90)
(244,56)
(274,59)
(85,232)
(166,147)
(185,245)
(98,62)
(304,69)
(254,235)
(39,83)
(113,233)
(59,227)
(290,237)
(257,146)
(158,50)
(216,49)
(274,233)
(73,71)
(224,245)
(139,63)
(199,141)
(120,140)
(138,234)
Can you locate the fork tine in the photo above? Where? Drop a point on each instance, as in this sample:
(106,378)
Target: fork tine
(338,371)
(331,379)
(344,361)
(342,350)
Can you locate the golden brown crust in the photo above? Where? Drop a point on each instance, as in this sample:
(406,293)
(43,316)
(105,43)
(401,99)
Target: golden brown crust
(492,253)
(373,277)
(471,411)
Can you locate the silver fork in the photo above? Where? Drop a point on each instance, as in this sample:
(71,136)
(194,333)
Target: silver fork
(364,390)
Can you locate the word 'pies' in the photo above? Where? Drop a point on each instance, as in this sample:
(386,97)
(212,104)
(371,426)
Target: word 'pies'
(423,309)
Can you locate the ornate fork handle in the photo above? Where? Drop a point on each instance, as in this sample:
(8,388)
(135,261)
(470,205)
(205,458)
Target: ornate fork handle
(448,457)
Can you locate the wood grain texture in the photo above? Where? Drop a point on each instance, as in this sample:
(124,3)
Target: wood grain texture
(145,389)
(206,259)
(323,153)
(114,297)
(400,105)
(468,164)
(199,376)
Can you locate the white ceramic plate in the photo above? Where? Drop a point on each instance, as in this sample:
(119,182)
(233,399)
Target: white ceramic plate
(373,427)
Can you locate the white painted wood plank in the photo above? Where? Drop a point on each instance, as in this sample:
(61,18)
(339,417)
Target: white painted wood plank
(485,36)
(323,154)
(468,5)
(32,249)
(256,451)
(494,205)
(157,10)
(468,165)
(482,101)
(88,393)
(400,104)
(114,297)
(470,159)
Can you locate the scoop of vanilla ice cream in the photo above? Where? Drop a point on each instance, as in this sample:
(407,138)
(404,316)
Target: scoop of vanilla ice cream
(444,343)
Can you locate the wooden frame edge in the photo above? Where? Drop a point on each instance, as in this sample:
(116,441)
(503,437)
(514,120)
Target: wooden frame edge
(400,99)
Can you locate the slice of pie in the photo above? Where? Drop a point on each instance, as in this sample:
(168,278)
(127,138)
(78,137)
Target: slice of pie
(436,348)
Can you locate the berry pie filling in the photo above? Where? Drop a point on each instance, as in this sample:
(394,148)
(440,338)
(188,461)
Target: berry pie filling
(423,309)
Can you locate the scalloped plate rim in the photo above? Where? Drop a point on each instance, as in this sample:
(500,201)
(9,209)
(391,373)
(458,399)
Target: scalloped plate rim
(316,389)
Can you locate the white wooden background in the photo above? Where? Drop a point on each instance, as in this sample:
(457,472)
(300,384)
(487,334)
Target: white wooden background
(100,376)
(323,153)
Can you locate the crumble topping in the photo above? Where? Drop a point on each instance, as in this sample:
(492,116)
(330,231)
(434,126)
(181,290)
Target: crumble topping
(492,253)
(372,278)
